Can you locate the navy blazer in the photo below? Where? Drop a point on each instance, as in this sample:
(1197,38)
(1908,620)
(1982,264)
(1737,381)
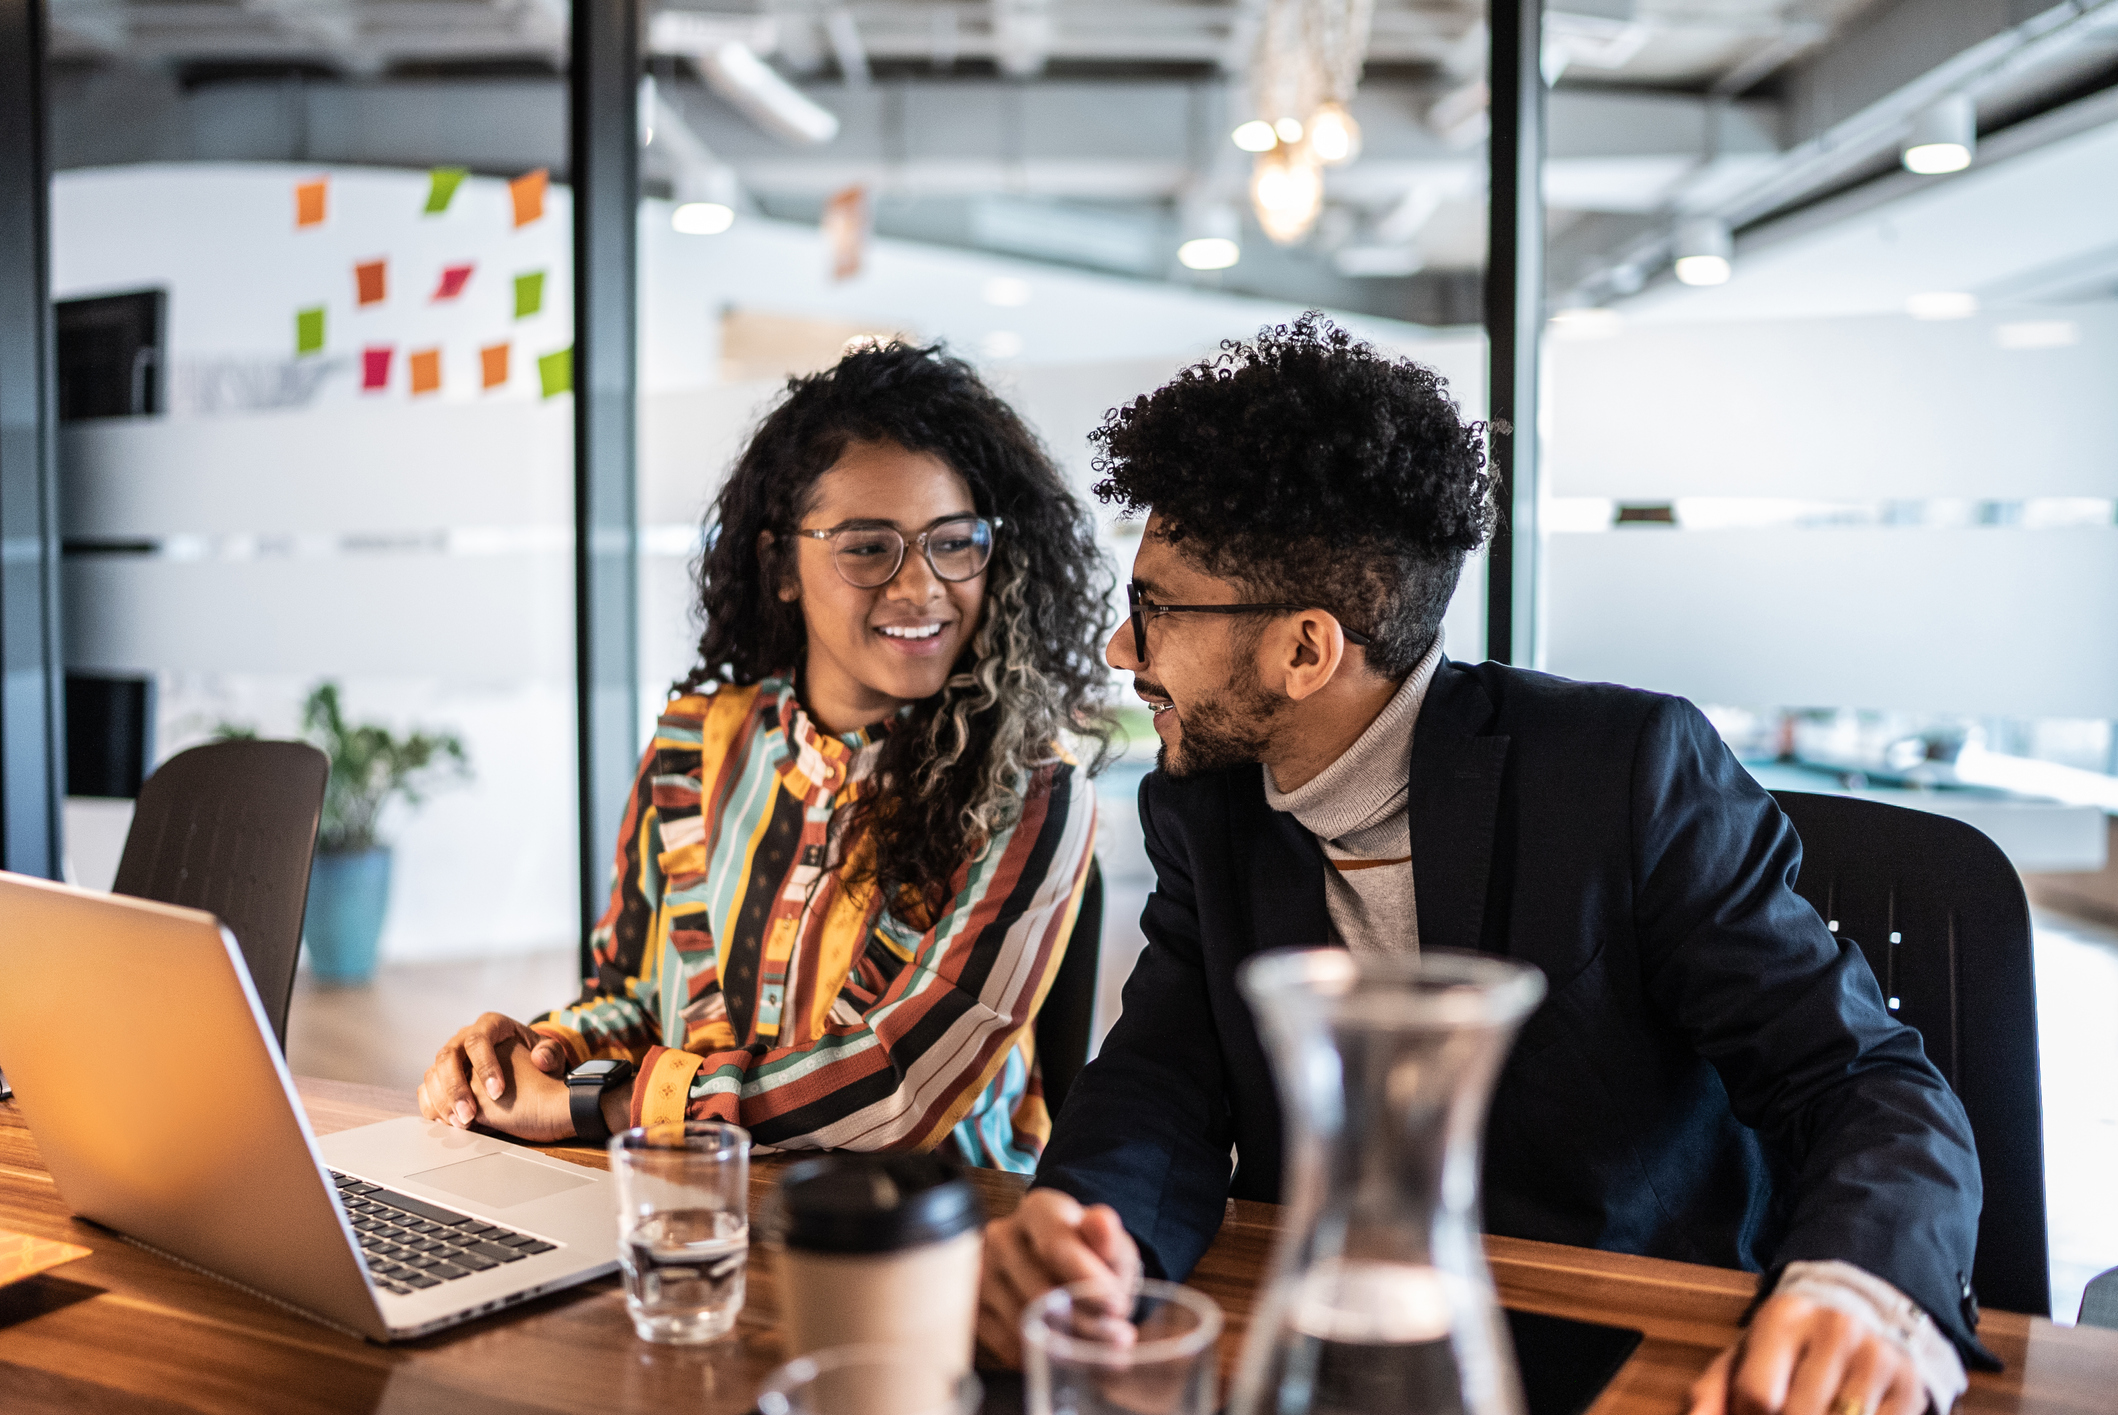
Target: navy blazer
(1712,1077)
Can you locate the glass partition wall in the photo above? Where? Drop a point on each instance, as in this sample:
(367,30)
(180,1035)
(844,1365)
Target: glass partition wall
(314,312)
(1846,480)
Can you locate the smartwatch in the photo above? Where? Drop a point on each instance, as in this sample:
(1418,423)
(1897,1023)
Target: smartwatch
(585,1085)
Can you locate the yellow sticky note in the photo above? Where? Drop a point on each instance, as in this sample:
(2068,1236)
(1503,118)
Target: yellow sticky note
(494,359)
(556,372)
(22,1256)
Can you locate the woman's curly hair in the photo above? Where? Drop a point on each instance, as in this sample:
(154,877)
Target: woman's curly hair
(951,775)
(1312,469)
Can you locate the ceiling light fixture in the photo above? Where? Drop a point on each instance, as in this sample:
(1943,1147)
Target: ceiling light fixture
(1333,135)
(1944,138)
(1288,130)
(1942,304)
(1287,192)
(1703,251)
(1212,236)
(1256,136)
(702,218)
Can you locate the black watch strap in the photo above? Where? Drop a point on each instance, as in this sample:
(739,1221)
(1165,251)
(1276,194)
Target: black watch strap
(584,1097)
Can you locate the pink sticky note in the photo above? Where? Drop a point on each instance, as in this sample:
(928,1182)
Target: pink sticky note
(375,366)
(453,279)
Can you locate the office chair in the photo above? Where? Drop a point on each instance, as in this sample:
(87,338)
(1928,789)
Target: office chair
(1069,1012)
(1940,915)
(230,828)
(2099,1301)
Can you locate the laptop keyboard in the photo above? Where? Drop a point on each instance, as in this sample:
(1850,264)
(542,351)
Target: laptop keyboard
(410,1245)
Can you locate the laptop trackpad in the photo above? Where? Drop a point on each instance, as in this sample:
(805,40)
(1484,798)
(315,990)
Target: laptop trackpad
(500,1181)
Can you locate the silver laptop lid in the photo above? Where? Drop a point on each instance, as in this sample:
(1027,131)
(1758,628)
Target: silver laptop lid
(140,1057)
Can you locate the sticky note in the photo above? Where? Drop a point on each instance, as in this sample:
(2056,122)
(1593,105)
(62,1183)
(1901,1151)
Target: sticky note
(425,365)
(370,279)
(493,358)
(528,192)
(556,372)
(309,202)
(453,279)
(442,183)
(375,367)
(309,330)
(529,294)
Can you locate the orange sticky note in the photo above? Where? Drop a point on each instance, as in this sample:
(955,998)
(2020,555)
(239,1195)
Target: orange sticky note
(426,370)
(309,202)
(494,358)
(23,1256)
(371,277)
(528,192)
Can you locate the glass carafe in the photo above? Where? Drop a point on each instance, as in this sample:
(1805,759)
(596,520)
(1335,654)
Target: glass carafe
(1379,1299)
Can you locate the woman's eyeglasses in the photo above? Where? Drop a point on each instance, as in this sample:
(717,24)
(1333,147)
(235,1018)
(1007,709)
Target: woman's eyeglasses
(1142,608)
(868,556)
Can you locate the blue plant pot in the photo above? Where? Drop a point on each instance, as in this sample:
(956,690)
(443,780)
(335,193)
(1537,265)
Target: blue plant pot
(348,895)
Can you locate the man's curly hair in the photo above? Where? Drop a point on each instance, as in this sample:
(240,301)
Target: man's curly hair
(952,773)
(1311,469)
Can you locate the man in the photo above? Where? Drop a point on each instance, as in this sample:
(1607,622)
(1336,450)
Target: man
(1712,1077)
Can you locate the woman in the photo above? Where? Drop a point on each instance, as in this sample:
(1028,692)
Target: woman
(855,848)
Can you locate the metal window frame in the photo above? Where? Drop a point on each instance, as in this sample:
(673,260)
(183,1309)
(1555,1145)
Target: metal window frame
(32,714)
(1514,324)
(603,87)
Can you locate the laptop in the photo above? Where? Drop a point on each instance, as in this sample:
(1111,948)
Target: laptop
(146,1069)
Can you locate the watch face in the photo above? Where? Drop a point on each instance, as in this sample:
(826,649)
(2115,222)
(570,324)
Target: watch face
(594,1070)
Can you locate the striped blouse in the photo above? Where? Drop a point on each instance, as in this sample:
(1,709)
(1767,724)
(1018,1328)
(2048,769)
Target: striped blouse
(750,982)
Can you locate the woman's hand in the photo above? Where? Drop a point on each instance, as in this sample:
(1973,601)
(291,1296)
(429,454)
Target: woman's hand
(472,1058)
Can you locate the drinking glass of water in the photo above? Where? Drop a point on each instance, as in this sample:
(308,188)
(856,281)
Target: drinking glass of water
(1153,1353)
(683,1227)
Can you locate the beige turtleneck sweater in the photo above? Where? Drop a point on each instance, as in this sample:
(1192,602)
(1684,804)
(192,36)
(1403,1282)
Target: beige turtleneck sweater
(1356,808)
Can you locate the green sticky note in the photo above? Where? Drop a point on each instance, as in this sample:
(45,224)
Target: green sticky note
(529,294)
(443,182)
(556,372)
(309,330)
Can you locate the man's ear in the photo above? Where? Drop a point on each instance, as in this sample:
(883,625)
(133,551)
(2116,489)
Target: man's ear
(789,588)
(1311,651)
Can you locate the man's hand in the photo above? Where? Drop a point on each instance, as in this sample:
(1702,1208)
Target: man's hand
(1048,1242)
(471,1059)
(1799,1358)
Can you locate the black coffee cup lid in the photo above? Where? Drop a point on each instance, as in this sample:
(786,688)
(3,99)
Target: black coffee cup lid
(848,1203)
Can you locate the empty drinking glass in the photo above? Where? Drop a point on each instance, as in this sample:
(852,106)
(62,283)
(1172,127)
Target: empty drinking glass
(683,1227)
(1152,1354)
(868,1380)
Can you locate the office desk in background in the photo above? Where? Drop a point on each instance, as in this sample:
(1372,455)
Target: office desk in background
(123,1330)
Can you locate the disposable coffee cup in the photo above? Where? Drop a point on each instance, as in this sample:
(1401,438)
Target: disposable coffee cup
(880,1250)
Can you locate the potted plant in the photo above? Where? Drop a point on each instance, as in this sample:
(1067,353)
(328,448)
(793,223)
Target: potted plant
(349,879)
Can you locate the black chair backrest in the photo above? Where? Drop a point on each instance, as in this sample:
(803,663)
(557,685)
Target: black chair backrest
(1940,915)
(230,828)
(1069,1011)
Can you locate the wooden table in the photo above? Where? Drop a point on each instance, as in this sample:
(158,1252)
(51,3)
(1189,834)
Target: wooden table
(122,1330)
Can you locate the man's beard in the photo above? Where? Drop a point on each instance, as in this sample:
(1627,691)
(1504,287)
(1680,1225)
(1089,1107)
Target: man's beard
(1231,729)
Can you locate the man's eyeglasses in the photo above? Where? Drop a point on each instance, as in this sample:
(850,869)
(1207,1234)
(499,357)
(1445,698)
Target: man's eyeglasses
(1142,608)
(869,556)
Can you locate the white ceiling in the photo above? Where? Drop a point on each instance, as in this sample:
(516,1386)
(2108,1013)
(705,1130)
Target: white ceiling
(2015,229)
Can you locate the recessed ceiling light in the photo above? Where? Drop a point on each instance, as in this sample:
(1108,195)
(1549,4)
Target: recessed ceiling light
(1942,304)
(1209,253)
(1256,136)
(1288,129)
(702,218)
